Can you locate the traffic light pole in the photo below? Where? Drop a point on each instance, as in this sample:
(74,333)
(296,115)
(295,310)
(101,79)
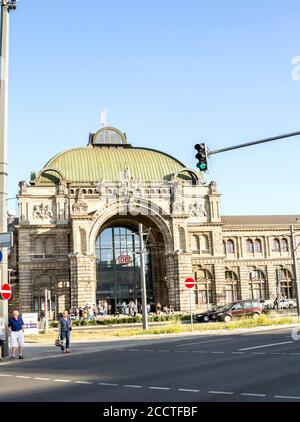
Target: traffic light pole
(6,6)
(295,266)
(143,278)
(249,144)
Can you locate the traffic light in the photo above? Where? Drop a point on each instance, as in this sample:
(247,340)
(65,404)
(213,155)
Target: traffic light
(202,157)
(12,276)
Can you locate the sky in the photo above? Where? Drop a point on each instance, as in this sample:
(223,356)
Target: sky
(170,73)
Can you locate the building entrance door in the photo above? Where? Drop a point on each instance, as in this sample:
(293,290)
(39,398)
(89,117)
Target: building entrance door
(117,283)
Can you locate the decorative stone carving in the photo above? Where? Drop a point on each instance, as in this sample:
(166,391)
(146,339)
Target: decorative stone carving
(62,187)
(129,187)
(197,210)
(23,187)
(42,212)
(178,208)
(80,206)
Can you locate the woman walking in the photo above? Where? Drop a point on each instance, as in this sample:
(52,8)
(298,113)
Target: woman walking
(65,327)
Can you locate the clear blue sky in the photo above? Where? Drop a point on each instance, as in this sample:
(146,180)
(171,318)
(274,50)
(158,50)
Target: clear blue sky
(170,73)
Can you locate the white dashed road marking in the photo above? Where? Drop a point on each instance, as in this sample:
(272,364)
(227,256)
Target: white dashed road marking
(267,345)
(230,393)
(133,386)
(253,395)
(287,397)
(83,382)
(204,342)
(107,384)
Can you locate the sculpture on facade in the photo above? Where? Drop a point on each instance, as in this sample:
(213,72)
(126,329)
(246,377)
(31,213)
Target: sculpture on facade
(42,212)
(80,206)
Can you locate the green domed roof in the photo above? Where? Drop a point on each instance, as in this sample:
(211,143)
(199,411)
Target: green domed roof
(94,163)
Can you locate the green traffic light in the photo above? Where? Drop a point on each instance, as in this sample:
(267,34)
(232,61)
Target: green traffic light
(202,167)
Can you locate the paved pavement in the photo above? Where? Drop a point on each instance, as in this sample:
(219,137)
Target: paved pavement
(259,366)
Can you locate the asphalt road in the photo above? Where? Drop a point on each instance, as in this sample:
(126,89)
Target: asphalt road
(260,366)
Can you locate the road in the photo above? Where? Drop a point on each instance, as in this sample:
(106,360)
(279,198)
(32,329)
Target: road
(256,366)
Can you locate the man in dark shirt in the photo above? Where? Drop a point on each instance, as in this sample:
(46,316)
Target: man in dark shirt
(16,330)
(65,331)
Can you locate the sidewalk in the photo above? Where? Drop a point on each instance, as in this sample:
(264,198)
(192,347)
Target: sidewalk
(40,351)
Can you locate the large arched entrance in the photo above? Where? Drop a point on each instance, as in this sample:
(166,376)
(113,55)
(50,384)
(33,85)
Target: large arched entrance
(119,282)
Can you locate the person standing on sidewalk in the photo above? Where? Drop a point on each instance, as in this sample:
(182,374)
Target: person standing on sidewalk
(3,336)
(65,327)
(16,330)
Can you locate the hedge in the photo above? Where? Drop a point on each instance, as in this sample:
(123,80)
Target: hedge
(124,320)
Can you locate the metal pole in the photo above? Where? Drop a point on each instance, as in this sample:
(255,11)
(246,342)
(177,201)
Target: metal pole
(249,144)
(46,312)
(295,266)
(191,310)
(4,32)
(143,278)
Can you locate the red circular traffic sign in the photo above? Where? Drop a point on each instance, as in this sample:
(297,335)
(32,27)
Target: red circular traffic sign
(124,259)
(189,283)
(6,291)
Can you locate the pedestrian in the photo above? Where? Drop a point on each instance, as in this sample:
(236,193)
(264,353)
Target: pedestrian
(16,330)
(90,313)
(3,336)
(158,308)
(65,328)
(276,304)
(109,309)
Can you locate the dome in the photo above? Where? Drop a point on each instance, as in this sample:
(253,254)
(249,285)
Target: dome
(94,163)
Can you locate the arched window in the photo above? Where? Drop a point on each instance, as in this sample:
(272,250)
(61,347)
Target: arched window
(285,283)
(38,248)
(182,242)
(204,287)
(257,285)
(204,244)
(249,246)
(230,246)
(83,244)
(195,244)
(49,248)
(257,246)
(231,286)
(276,245)
(284,245)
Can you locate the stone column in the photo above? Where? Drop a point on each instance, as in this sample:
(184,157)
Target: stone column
(184,270)
(244,282)
(271,287)
(83,280)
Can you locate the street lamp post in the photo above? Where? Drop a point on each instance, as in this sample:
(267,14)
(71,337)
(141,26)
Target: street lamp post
(6,6)
(295,266)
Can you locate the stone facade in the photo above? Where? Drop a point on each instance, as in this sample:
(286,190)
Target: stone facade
(60,221)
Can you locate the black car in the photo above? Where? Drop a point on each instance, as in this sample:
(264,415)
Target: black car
(237,309)
(210,315)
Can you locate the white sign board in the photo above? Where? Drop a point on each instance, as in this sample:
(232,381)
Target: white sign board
(31,323)
(6,240)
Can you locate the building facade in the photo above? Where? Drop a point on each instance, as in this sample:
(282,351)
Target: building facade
(77,234)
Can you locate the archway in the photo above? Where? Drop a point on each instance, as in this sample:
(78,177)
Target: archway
(118,280)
